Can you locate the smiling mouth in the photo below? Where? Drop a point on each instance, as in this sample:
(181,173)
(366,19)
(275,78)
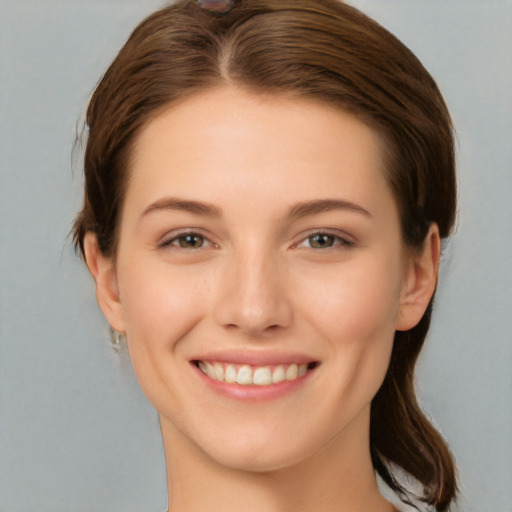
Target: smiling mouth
(248,375)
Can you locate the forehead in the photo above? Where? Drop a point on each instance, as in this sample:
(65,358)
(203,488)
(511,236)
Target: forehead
(227,142)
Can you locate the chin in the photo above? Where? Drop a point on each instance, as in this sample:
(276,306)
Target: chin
(260,458)
(263,448)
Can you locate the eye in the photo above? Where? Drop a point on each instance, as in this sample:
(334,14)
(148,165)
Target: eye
(187,241)
(321,240)
(190,241)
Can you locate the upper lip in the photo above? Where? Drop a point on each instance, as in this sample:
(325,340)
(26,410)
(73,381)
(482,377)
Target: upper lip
(253,358)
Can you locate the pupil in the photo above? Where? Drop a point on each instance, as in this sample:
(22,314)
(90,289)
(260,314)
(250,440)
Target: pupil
(191,241)
(321,241)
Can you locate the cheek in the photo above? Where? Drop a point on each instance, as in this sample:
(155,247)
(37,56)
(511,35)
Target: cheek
(355,316)
(161,303)
(355,313)
(355,303)
(161,306)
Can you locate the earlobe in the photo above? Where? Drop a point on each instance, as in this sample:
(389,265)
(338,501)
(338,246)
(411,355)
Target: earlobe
(102,269)
(420,281)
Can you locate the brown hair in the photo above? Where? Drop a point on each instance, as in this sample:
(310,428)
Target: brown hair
(327,51)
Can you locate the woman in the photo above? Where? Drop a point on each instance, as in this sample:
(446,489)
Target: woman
(267,187)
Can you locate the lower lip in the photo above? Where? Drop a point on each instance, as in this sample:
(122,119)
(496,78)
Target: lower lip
(254,393)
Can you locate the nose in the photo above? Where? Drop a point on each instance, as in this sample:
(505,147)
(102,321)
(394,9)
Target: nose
(253,295)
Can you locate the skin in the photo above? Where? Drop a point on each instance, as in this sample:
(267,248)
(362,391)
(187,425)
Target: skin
(255,283)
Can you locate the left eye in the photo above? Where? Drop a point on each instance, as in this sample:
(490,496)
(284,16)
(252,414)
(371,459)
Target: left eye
(324,241)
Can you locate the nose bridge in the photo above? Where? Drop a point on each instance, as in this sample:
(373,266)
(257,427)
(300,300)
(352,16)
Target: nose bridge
(254,296)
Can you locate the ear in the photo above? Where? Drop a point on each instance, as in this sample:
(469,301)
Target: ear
(103,270)
(420,281)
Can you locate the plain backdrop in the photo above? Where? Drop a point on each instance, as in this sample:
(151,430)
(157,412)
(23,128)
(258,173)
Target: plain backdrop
(76,434)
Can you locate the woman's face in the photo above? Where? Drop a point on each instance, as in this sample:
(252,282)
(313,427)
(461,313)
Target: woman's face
(260,243)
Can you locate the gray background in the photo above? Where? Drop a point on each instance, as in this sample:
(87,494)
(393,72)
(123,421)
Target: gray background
(76,434)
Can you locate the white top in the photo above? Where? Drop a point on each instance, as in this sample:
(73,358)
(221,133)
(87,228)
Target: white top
(397,502)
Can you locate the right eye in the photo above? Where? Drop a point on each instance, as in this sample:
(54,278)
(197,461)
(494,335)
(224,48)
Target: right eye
(186,241)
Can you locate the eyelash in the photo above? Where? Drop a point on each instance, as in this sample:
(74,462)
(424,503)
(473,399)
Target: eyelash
(336,241)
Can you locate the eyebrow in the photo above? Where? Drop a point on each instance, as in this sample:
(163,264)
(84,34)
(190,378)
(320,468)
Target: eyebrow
(315,207)
(303,209)
(187,205)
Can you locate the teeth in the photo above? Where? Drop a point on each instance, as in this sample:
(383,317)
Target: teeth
(279,375)
(210,371)
(262,377)
(303,369)
(247,375)
(244,375)
(292,372)
(230,374)
(219,371)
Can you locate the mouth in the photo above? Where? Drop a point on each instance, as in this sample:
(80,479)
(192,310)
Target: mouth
(249,375)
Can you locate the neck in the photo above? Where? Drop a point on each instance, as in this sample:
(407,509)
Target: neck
(338,478)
